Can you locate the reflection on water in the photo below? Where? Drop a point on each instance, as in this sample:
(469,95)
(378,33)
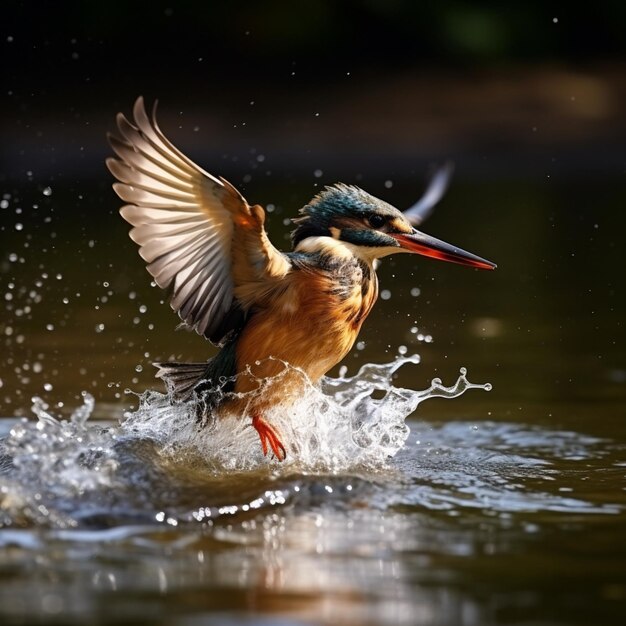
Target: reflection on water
(405,544)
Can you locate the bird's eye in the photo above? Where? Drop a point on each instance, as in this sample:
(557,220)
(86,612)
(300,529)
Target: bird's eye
(376,221)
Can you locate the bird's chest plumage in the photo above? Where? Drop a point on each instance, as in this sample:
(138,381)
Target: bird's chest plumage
(313,318)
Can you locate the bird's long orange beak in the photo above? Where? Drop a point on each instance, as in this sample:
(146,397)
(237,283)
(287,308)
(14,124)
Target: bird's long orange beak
(423,244)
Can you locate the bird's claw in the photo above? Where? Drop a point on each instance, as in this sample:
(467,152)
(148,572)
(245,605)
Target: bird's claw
(268,435)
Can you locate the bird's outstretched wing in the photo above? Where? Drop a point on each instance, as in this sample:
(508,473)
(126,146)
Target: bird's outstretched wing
(196,232)
(437,186)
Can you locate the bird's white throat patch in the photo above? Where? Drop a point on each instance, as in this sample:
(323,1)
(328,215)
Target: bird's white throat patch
(326,245)
(344,250)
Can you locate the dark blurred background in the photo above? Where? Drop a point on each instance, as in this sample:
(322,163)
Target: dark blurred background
(527,99)
(379,85)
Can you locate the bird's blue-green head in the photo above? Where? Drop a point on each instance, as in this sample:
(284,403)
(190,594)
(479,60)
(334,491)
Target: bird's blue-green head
(374,227)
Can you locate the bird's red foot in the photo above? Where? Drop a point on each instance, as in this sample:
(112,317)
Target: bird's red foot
(268,435)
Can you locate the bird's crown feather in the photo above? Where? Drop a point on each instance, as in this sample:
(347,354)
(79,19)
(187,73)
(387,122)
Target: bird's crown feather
(335,201)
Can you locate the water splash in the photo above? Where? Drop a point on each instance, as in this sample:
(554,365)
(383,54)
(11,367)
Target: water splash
(53,460)
(62,454)
(53,468)
(161,466)
(345,423)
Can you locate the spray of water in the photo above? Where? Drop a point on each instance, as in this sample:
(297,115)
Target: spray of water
(52,468)
(345,423)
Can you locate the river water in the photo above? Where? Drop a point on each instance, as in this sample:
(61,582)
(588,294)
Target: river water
(395,506)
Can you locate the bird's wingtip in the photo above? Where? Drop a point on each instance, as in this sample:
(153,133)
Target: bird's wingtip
(437,187)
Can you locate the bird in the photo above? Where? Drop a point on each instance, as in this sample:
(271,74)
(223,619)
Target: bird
(263,308)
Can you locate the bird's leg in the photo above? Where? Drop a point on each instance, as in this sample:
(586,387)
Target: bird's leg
(268,435)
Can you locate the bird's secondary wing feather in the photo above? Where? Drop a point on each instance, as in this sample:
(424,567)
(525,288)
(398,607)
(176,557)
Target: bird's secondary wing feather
(196,232)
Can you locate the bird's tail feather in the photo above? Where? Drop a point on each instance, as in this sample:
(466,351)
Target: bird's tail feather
(181,378)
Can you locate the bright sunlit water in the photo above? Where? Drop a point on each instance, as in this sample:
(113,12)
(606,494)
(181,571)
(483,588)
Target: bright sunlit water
(392,506)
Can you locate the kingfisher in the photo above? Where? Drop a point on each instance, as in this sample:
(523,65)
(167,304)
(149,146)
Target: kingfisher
(263,308)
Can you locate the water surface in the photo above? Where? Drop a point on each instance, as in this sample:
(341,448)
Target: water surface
(498,507)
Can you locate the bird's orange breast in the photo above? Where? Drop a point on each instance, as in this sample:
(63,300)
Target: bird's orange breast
(310,322)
